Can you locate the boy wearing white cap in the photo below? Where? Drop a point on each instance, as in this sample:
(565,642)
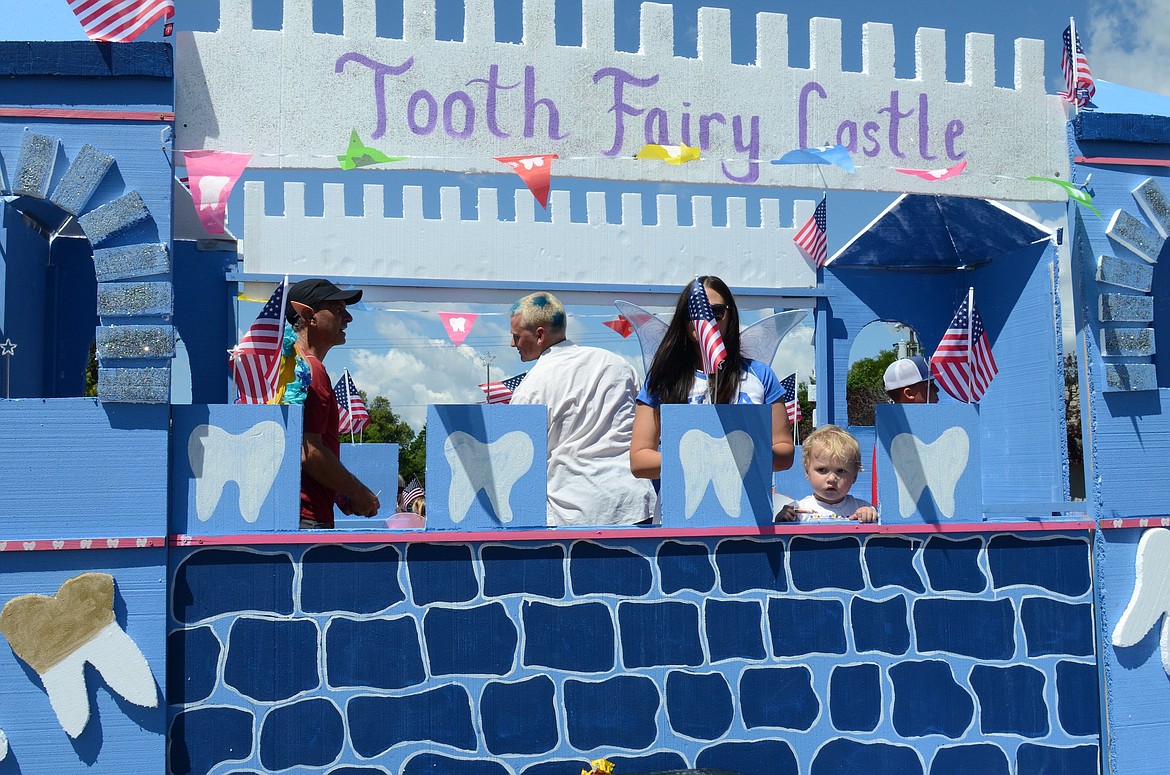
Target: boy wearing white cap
(908,381)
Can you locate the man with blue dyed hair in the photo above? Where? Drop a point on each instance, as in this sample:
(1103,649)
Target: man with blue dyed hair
(590,394)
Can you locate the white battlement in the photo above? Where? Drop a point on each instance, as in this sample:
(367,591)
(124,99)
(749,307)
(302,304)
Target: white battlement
(292,97)
(565,249)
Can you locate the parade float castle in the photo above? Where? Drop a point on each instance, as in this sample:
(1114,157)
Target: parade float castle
(162,613)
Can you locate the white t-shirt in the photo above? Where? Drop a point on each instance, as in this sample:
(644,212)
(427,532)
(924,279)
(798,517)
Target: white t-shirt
(589,393)
(816,508)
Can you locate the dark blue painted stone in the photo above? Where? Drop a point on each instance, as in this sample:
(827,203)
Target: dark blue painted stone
(983,629)
(734,629)
(604,570)
(1032,759)
(577,637)
(880,625)
(202,738)
(338,578)
(535,572)
(778,697)
(1060,565)
(211,582)
(192,662)
(855,697)
(435,763)
(470,641)
(953,566)
(928,700)
(440,715)
(620,712)
(441,573)
(765,757)
(685,566)
(659,634)
(378,653)
(661,762)
(800,627)
(699,706)
(745,565)
(828,564)
(309,733)
(1011,700)
(519,718)
(1054,627)
(1077,701)
(348,770)
(270,660)
(841,755)
(977,759)
(890,563)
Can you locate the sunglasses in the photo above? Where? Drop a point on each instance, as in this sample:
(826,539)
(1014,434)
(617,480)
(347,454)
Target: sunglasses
(719,310)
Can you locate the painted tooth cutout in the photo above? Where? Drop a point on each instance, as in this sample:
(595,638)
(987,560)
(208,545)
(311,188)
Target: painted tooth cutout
(1151,595)
(493,468)
(251,459)
(719,462)
(936,467)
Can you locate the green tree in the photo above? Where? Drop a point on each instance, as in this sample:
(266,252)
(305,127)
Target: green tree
(864,388)
(413,459)
(805,426)
(91,371)
(386,427)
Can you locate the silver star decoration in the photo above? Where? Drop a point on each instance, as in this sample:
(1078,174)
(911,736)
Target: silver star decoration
(7,347)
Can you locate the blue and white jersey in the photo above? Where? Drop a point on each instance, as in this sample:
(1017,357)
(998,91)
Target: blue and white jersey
(757,385)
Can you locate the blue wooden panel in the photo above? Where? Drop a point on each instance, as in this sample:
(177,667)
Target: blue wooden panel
(486,466)
(75,468)
(119,736)
(929,463)
(235,469)
(716,465)
(1137,689)
(376,465)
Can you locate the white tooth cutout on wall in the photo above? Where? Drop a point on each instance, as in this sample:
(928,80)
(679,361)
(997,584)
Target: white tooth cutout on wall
(1151,595)
(717,462)
(251,459)
(936,467)
(493,467)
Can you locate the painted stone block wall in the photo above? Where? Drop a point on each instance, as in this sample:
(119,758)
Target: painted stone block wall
(761,656)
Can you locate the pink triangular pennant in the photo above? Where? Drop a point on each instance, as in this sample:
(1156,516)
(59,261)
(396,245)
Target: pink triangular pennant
(212,175)
(942,174)
(458,324)
(620,325)
(535,171)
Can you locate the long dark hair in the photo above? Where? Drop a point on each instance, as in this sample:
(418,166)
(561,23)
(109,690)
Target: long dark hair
(672,373)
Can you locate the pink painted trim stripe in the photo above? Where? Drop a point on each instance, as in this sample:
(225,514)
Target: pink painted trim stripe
(51,545)
(1131,522)
(447,536)
(1122,161)
(101,115)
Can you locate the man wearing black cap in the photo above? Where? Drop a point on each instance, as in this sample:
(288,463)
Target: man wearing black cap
(317,311)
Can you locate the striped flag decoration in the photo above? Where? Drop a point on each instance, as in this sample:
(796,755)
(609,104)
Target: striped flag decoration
(963,363)
(413,492)
(354,417)
(119,21)
(811,238)
(501,392)
(790,400)
(1079,86)
(706,327)
(256,359)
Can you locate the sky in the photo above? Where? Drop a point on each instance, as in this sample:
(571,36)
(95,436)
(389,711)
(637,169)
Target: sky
(401,351)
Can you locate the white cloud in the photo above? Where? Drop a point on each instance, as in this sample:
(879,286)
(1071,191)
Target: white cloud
(1129,43)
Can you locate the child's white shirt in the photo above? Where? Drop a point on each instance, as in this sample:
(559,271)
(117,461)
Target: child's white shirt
(818,509)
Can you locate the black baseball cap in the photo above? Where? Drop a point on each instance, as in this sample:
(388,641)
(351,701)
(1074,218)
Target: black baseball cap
(315,290)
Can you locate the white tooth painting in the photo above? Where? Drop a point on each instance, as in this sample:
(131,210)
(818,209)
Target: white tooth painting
(1150,602)
(928,464)
(486,466)
(716,465)
(58,635)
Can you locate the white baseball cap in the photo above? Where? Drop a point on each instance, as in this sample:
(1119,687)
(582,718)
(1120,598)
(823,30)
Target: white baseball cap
(905,372)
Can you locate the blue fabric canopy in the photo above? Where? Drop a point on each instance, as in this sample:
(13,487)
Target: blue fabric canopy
(920,231)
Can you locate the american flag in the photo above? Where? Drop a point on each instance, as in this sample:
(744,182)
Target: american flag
(963,363)
(1078,81)
(413,492)
(791,403)
(354,416)
(501,392)
(706,327)
(811,237)
(256,359)
(119,21)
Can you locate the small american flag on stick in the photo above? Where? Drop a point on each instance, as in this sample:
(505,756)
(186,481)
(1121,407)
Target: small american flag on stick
(963,364)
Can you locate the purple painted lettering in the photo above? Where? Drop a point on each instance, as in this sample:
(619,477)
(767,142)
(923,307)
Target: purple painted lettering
(620,107)
(847,135)
(896,117)
(750,146)
(705,128)
(381,70)
(869,129)
(423,96)
(493,86)
(530,105)
(656,131)
(468,115)
(686,125)
(952,132)
(923,128)
(802,109)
